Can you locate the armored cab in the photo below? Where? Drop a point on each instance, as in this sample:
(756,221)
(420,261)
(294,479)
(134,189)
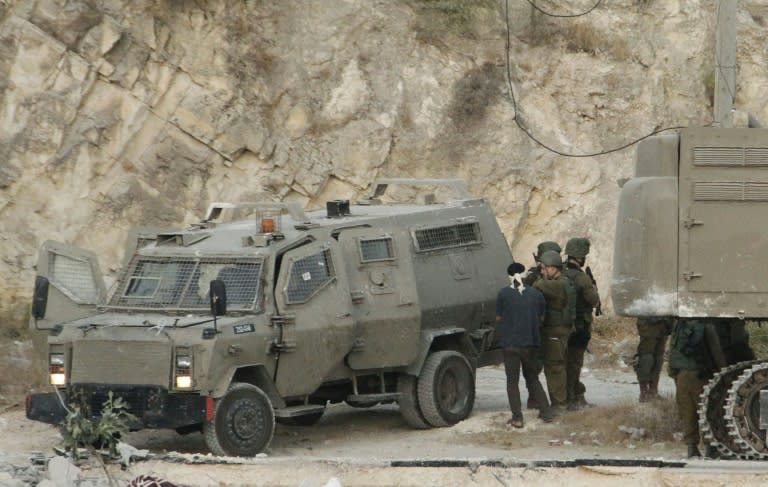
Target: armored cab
(689,239)
(273,313)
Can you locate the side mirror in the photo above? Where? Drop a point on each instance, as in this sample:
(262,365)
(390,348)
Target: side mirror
(40,297)
(218,295)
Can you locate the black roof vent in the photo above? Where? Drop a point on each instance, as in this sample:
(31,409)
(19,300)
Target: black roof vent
(337,208)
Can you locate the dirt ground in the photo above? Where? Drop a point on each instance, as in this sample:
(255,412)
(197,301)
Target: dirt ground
(356,447)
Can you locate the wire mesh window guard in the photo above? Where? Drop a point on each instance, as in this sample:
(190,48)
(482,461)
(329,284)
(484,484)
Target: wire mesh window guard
(376,249)
(74,275)
(308,275)
(168,283)
(446,237)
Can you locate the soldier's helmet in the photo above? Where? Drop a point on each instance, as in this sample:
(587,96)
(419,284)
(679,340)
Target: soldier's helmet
(551,258)
(577,247)
(545,246)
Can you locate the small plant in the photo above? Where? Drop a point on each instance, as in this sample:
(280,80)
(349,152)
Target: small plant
(103,432)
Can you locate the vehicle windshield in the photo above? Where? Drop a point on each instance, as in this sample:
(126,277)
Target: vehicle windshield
(183,284)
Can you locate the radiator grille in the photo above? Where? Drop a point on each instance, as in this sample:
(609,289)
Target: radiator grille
(121,362)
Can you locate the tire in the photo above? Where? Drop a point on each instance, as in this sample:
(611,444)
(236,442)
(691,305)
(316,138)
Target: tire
(243,422)
(446,388)
(409,402)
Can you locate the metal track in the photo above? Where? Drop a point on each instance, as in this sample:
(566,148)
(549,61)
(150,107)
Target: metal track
(742,412)
(712,425)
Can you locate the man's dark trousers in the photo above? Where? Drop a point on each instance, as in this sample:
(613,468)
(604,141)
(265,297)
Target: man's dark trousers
(527,358)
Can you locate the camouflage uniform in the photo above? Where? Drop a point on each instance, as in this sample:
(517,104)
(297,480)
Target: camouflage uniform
(734,340)
(586,300)
(557,327)
(695,355)
(534,273)
(653,332)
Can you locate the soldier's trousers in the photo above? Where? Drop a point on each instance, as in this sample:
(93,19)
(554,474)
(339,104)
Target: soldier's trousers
(574,363)
(688,388)
(554,351)
(650,350)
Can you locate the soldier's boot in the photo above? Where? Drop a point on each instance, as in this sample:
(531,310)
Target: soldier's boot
(712,452)
(693,451)
(653,389)
(643,391)
(532,404)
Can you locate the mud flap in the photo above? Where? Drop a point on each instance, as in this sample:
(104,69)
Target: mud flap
(46,407)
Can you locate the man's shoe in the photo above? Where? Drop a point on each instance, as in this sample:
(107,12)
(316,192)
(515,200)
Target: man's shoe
(515,422)
(693,451)
(532,404)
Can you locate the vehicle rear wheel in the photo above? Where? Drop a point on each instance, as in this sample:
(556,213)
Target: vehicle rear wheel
(409,402)
(243,422)
(446,388)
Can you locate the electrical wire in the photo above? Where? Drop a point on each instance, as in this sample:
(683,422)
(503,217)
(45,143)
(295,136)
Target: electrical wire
(520,124)
(566,16)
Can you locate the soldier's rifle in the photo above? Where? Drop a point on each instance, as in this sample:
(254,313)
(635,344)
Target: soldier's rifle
(599,306)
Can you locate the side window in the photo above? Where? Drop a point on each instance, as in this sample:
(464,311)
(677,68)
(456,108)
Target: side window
(376,249)
(448,236)
(73,275)
(308,275)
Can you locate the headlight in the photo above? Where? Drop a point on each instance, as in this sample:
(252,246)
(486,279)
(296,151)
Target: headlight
(183,370)
(56,373)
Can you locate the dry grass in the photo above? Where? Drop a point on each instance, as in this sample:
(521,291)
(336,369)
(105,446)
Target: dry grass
(580,37)
(627,425)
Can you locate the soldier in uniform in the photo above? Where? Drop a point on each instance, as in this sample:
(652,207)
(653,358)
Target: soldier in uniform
(535,271)
(653,332)
(695,355)
(533,274)
(734,340)
(559,295)
(586,300)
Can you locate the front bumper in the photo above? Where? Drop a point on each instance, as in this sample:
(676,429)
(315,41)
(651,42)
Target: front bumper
(152,406)
(46,407)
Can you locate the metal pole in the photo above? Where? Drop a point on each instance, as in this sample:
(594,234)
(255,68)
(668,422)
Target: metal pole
(725,63)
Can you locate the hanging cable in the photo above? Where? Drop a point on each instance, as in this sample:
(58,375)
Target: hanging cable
(567,16)
(521,125)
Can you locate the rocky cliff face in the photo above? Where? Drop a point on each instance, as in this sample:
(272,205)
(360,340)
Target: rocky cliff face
(122,112)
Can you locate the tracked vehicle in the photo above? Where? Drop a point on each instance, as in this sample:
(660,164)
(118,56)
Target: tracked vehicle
(230,324)
(691,243)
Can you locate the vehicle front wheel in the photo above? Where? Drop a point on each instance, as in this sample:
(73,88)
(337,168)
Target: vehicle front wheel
(243,422)
(446,388)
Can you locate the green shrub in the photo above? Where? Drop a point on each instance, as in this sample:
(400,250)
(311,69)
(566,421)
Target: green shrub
(80,430)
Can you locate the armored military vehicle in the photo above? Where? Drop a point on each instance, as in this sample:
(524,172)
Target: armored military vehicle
(230,324)
(689,244)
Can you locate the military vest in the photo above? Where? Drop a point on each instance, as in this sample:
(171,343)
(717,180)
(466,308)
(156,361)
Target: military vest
(688,346)
(583,311)
(560,296)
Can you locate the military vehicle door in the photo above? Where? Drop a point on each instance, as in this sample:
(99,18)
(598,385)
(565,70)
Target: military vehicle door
(385,303)
(76,285)
(723,200)
(314,317)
